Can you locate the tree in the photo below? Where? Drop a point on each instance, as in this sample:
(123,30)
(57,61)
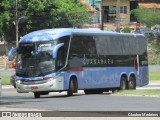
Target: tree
(146,16)
(43,14)
(5,16)
(150,17)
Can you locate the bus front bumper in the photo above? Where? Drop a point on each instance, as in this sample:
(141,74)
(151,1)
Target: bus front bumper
(50,85)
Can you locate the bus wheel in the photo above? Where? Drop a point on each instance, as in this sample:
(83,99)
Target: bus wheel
(72,87)
(36,95)
(132,83)
(123,84)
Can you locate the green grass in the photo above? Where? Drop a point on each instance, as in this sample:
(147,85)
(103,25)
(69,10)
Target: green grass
(139,92)
(5,80)
(154,75)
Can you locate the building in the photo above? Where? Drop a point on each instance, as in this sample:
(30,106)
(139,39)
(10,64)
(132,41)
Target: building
(93,12)
(118,12)
(108,9)
(149,3)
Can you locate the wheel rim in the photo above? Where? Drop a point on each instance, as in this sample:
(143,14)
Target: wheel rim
(72,87)
(132,83)
(123,84)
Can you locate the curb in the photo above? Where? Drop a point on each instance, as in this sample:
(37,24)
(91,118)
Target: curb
(154,83)
(18,109)
(7,69)
(7,86)
(136,95)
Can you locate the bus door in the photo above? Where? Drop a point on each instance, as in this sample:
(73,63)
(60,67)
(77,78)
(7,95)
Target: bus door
(142,61)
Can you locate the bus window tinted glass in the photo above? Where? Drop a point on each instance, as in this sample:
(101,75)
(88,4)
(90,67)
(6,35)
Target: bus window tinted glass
(108,45)
(83,45)
(142,45)
(120,45)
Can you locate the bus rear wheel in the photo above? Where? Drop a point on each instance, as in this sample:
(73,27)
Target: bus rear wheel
(72,87)
(132,83)
(123,83)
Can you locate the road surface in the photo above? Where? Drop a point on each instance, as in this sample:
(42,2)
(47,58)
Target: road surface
(78,102)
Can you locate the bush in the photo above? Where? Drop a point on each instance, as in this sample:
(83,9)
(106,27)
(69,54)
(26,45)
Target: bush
(126,29)
(153,55)
(157,39)
(150,37)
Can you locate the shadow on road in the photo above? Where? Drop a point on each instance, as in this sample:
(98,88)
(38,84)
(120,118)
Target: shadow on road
(66,96)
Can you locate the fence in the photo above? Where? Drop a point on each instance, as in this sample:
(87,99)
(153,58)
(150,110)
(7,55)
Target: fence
(3,62)
(4,48)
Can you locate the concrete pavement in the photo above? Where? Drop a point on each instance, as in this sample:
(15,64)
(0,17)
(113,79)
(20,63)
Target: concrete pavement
(153,85)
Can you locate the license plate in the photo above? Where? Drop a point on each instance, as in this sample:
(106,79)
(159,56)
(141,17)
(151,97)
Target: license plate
(34,88)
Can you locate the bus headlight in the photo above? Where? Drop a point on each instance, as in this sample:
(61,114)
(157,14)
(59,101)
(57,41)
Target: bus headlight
(19,81)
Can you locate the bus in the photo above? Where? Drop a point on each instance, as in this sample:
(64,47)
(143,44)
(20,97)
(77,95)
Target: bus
(68,59)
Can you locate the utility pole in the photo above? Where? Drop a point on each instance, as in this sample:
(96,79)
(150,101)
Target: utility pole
(102,14)
(17,22)
(118,16)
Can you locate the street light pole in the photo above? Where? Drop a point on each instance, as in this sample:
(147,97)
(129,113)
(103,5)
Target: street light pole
(17,22)
(102,12)
(118,16)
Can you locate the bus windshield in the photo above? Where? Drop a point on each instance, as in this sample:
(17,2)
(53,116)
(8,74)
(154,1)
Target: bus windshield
(35,59)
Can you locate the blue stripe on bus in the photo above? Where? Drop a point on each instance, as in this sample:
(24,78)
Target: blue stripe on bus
(105,77)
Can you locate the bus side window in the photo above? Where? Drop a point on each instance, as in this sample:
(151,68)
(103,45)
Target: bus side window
(60,61)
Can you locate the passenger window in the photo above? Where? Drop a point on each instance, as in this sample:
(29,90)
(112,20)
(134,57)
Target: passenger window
(83,45)
(60,62)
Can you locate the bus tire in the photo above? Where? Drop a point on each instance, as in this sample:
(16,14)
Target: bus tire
(132,83)
(36,95)
(72,87)
(123,83)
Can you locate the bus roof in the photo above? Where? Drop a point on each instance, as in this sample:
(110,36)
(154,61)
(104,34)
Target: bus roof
(51,34)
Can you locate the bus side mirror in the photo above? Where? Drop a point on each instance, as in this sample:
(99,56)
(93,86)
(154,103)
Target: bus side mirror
(55,50)
(10,53)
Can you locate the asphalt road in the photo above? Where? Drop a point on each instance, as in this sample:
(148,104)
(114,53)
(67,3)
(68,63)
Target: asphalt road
(11,100)
(78,102)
